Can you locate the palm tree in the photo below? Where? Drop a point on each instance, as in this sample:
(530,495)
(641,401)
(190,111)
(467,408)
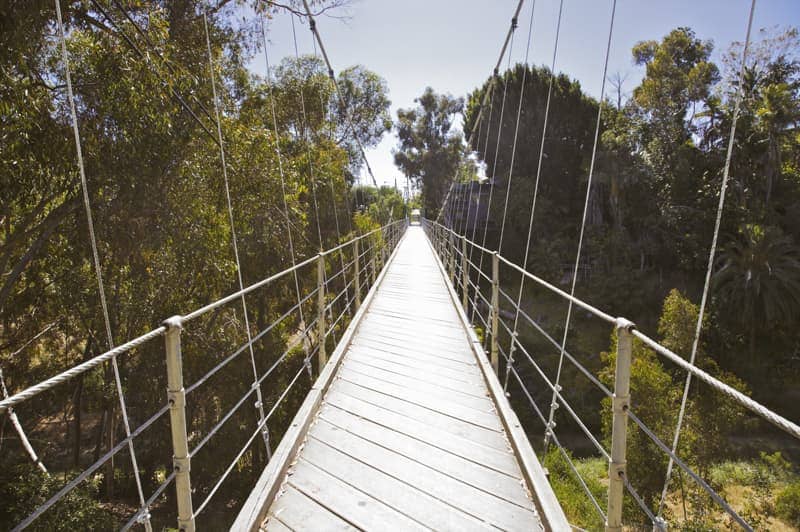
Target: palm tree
(758,279)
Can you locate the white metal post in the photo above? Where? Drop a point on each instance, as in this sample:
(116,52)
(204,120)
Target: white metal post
(495,310)
(620,403)
(358,274)
(451,249)
(176,395)
(464,272)
(321,332)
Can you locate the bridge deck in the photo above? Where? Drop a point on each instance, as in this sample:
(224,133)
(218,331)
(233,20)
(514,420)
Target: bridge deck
(407,434)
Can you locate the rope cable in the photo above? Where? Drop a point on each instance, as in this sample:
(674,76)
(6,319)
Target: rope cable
(259,401)
(711,256)
(536,182)
(585,206)
(292,255)
(96,259)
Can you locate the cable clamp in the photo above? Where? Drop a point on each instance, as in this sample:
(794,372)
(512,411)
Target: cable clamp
(558,387)
(554,405)
(257,404)
(144,516)
(514,23)
(312,24)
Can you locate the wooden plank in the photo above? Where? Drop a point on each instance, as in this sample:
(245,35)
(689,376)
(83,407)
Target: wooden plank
(486,507)
(424,380)
(480,447)
(352,505)
(258,502)
(406,499)
(550,509)
(477,475)
(297,511)
(377,342)
(486,418)
(415,357)
(416,367)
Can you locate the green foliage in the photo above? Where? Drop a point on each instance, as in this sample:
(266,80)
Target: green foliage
(430,152)
(24,487)
(570,494)
(787,504)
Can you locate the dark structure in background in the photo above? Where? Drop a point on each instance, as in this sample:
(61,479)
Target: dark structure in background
(470,210)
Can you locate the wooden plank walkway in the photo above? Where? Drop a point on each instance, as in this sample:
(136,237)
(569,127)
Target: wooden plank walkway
(406,435)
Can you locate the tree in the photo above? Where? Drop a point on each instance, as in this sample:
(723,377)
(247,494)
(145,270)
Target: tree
(430,151)
(758,280)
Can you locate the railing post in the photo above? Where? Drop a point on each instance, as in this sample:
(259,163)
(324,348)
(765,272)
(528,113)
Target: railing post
(495,310)
(176,396)
(321,332)
(620,403)
(464,272)
(452,251)
(356,262)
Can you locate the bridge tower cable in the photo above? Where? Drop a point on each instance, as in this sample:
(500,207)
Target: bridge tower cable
(711,255)
(553,403)
(545,121)
(98,269)
(217,113)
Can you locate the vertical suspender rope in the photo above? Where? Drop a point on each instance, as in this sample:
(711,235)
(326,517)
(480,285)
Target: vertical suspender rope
(97,267)
(711,255)
(556,385)
(497,150)
(499,129)
(513,347)
(334,205)
(513,145)
(306,140)
(311,174)
(256,384)
(482,108)
(306,342)
(313,26)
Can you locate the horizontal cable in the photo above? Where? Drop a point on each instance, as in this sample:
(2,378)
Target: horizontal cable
(703,484)
(597,312)
(476,268)
(91,469)
(602,387)
(247,444)
(253,387)
(78,370)
(560,447)
(562,400)
(342,292)
(141,513)
(759,409)
(640,501)
(243,347)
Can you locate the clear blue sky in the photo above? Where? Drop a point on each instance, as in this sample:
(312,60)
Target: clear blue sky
(451,45)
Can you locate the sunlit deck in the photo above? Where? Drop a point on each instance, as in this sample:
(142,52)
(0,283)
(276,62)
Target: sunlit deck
(407,427)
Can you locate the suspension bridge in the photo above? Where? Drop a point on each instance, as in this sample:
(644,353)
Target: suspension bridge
(407,424)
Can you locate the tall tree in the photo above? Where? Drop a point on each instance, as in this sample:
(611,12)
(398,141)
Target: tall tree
(431,150)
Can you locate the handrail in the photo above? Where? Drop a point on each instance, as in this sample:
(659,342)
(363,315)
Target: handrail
(447,242)
(92,363)
(390,235)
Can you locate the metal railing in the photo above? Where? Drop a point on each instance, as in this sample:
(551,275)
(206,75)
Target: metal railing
(455,252)
(340,282)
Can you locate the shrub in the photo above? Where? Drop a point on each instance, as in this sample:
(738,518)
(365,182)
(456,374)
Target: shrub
(787,504)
